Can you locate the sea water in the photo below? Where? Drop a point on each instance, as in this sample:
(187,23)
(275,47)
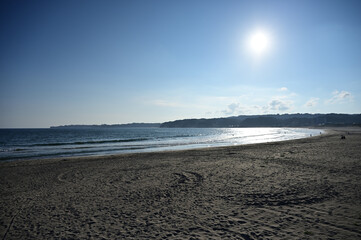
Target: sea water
(18,144)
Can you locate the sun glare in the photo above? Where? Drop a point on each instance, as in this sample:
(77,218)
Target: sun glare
(259,42)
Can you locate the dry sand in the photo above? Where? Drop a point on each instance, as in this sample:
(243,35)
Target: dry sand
(301,189)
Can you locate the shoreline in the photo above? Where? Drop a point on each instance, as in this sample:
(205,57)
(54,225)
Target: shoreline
(305,188)
(326,131)
(104,157)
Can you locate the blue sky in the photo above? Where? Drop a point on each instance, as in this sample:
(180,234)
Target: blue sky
(95,62)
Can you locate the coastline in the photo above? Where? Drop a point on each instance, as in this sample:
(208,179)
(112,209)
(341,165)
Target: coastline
(181,147)
(305,188)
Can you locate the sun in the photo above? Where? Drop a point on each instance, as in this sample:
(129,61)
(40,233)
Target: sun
(259,42)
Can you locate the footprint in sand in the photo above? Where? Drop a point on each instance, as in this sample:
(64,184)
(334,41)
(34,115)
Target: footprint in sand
(301,195)
(187,178)
(71,176)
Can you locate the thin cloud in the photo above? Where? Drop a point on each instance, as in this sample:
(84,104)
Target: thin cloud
(275,105)
(237,108)
(312,102)
(339,96)
(164,103)
(257,104)
(278,105)
(232,109)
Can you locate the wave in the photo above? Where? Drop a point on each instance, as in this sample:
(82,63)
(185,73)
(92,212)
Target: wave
(13,150)
(90,142)
(105,141)
(44,155)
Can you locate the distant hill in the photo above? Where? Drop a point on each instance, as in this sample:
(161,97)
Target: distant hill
(272,120)
(128,125)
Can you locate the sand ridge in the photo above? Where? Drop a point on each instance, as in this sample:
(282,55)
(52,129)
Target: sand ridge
(299,189)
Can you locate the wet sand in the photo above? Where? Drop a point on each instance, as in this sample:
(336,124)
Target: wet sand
(299,189)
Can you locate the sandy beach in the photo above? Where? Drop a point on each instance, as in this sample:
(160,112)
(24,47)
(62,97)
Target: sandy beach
(299,189)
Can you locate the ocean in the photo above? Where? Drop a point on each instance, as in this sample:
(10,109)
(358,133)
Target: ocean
(19,144)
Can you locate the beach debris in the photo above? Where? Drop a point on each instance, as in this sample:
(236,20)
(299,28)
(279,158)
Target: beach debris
(343,137)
